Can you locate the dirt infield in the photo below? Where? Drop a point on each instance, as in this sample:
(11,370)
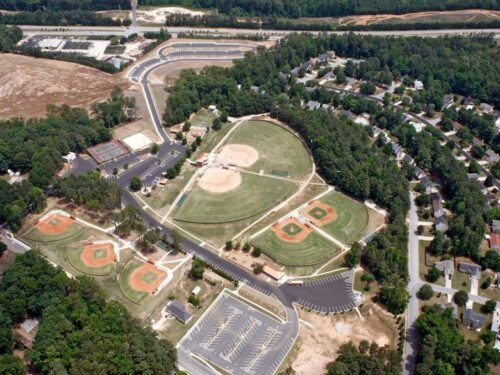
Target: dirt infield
(285,230)
(238,155)
(54,224)
(319,213)
(219,180)
(146,278)
(97,255)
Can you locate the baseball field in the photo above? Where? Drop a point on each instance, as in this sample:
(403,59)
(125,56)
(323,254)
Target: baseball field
(139,280)
(280,152)
(92,258)
(291,243)
(53,227)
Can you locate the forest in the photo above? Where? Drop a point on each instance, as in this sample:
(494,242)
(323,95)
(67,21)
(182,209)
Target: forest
(79,331)
(443,349)
(325,8)
(63,5)
(9,36)
(58,18)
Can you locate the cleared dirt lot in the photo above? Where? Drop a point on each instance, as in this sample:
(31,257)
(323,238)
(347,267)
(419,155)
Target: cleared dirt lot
(316,348)
(27,85)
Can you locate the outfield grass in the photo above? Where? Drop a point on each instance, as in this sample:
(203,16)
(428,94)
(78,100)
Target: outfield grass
(203,118)
(74,253)
(278,148)
(129,292)
(352,217)
(256,194)
(313,250)
(36,235)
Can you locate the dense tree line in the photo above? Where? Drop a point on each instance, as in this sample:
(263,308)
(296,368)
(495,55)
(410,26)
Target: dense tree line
(90,190)
(443,349)
(58,18)
(9,36)
(79,331)
(63,5)
(325,8)
(365,359)
(114,110)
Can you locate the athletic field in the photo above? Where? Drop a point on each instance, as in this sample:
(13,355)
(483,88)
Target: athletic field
(132,294)
(38,234)
(95,260)
(255,194)
(312,250)
(351,217)
(281,153)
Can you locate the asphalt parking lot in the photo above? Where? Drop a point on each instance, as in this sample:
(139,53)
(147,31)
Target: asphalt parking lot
(236,337)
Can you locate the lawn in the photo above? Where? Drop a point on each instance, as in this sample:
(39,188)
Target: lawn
(256,194)
(280,151)
(203,118)
(313,250)
(129,292)
(352,217)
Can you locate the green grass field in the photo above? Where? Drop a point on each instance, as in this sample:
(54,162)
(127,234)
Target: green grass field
(132,294)
(352,218)
(73,252)
(255,194)
(35,235)
(313,250)
(279,150)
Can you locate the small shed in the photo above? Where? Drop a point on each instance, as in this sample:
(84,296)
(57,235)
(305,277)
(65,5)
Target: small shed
(179,311)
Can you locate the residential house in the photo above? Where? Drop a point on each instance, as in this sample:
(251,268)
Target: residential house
(179,311)
(473,320)
(495,241)
(346,113)
(295,71)
(472,269)
(330,55)
(362,121)
(312,105)
(495,226)
(330,76)
(452,306)
(69,157)
(448,101)
(398,151)
(419,173)
(486,108)
(447,267)
(441,224)
(418,126)
(437,206)
(473,176)
(427,184)
(419,85)
(468,101)
(282,75)
(323,58)
(492,156)
(306,66)
(326,107)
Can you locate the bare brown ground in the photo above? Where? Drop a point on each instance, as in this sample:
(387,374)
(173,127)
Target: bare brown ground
(137,282)
(328,218)
(88,255)
(28,85)
(319,347)
(239,155)
(299,237)
(219,180)
(464,15)
(54,224)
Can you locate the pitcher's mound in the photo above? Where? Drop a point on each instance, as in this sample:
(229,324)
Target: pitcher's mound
(219,180)
(238,155)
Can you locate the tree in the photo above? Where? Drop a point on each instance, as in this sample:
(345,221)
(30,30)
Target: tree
(186,126)
(258,268)
(224,116)
(340,77)
(256,252)
(489,307)
(433,275)
(460,298)
(367,88)
(12,365)
(193,300)
(3,248)
(491,260)
(154,149)
(229,245)
(135,183)
(246,247)
(425,292)
(353,256)
(197,268)
(217,124)
(395,297)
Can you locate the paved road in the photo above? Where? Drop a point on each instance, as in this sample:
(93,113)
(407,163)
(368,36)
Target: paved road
(102,30)
(13,243)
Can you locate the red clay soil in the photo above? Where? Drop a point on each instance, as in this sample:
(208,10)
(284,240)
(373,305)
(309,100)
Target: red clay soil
(54,224)
(137,281)
(88,255)
(299,237)
(328,218)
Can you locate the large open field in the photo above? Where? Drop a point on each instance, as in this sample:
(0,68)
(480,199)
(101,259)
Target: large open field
(28,85)
(255,194)
(280,151)
(312,250)
(351,217)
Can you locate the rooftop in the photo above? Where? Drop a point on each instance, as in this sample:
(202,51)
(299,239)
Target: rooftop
(178,310)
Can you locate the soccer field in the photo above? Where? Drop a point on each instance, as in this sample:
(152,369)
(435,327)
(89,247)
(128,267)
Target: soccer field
(352,217)
(256,194)
(311,251)
(280,151)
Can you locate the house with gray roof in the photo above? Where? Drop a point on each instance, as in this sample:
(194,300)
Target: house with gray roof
(179,311)
(437,205)
(346,113)
(427,184)
(473,320)
(398,151)
(495,226)
(472,269)
(441,224)
(448,101)
(452,306)
(446,266)
(492,156)
(486,108)
(313,104)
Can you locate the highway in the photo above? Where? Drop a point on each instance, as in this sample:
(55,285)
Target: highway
(103,30)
